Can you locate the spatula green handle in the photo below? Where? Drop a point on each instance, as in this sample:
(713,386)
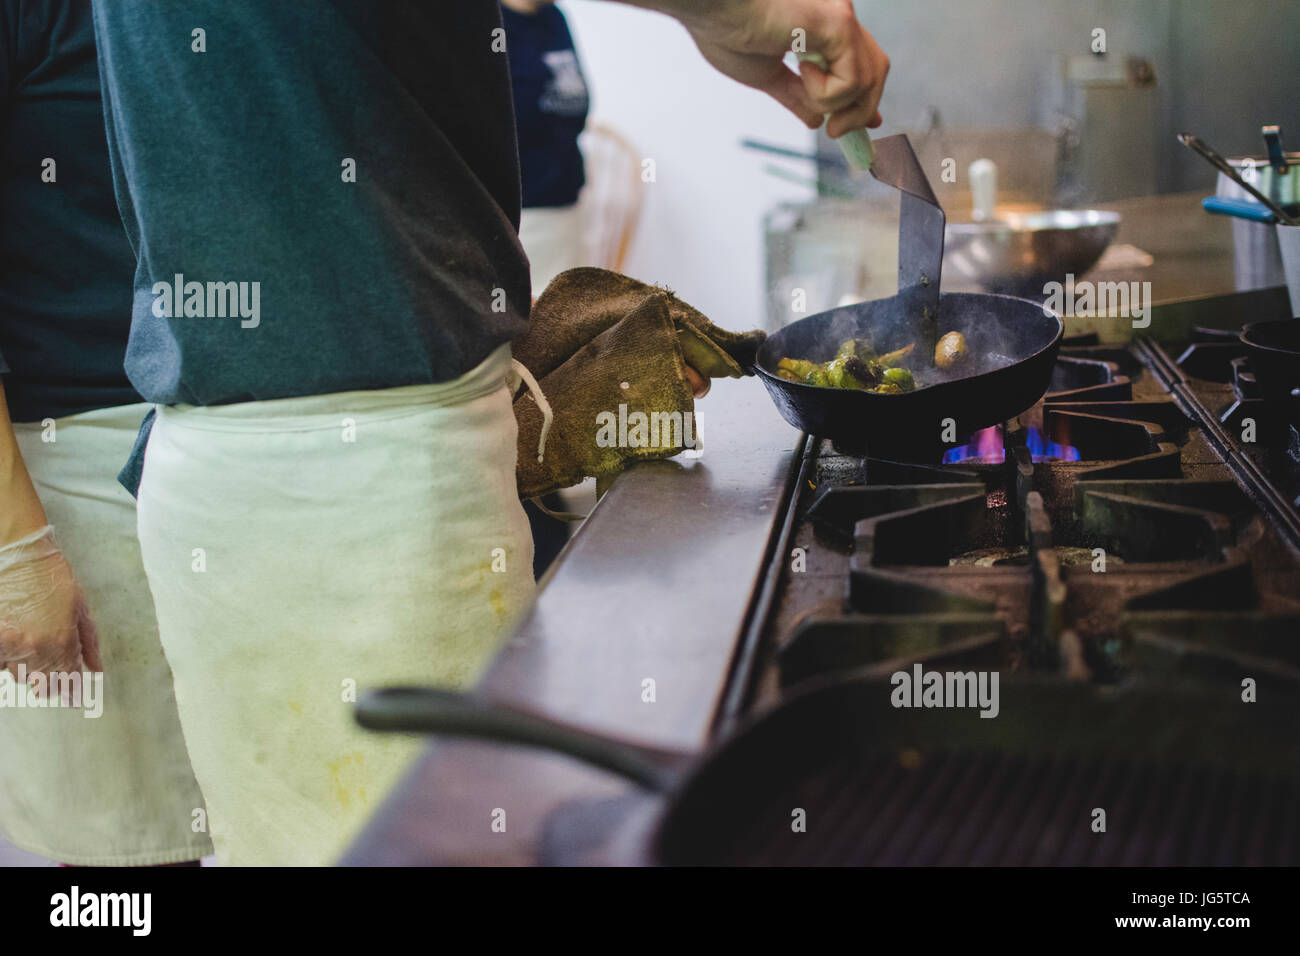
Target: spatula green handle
(855,144)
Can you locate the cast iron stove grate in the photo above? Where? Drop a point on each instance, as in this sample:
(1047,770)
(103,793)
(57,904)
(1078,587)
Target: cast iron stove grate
(990,562)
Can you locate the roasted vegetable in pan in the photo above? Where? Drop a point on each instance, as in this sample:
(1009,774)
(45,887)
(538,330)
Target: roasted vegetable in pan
(951,350)
(850,372)
(796,370)
(855,366)
(896,358)
(900,377)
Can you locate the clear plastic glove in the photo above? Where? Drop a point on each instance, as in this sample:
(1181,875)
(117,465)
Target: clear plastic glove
(44,622)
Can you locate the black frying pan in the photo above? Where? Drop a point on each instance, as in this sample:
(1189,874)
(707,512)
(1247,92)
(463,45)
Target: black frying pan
(1013,344)
(1178,773)
(1274,348)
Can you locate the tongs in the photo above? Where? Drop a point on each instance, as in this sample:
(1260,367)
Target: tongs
(1198,145)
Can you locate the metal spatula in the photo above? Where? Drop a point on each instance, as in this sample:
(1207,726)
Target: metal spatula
(920,223)
(920,234)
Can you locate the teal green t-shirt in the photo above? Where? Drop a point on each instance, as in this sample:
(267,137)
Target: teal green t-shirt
(323,195)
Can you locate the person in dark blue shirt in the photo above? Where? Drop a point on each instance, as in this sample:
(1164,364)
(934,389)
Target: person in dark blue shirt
(551,103)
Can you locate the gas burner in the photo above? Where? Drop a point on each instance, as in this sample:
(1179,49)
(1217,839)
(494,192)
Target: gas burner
(1211,353)
(987,447)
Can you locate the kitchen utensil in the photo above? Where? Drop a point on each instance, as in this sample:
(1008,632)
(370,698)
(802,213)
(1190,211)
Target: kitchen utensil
(1246,209)
(920,235)
(1274,349)
(1196,144)
(1257,261)
(921,219)
(1273,146)
(838,774)
(1013,343)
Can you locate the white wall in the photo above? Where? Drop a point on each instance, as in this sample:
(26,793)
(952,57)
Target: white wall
(701,232)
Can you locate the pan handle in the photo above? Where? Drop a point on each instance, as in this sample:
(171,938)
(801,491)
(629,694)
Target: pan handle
(430,710)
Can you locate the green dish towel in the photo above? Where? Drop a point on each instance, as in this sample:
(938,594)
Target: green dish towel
(609,354)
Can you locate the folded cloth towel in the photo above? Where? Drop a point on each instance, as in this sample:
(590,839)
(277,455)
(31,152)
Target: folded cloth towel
(609,354)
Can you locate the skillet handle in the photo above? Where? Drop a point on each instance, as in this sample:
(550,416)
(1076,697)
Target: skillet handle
(429,710)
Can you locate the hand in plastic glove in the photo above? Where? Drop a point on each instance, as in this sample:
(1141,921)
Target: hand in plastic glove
(44,622)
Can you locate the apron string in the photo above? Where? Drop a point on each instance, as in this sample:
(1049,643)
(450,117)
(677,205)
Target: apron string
(548,416)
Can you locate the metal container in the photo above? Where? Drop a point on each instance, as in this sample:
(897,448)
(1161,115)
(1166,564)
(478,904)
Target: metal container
(1018,254)
(1257,261)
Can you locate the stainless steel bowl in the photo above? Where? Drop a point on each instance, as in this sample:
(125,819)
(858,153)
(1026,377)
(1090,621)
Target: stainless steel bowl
(1020,253)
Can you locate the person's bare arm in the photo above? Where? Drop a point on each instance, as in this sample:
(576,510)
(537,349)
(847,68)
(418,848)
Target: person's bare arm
(44,623)
(21,513)
(747,39)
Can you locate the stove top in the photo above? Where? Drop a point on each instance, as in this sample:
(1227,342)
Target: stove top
(1129,533)
(1101,534)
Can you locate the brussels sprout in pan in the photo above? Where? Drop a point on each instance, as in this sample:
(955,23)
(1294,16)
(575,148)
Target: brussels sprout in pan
(855,366)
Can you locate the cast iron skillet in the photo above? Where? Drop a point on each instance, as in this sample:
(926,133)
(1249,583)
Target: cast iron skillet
(1013,343)
(881,784)
(1274,348)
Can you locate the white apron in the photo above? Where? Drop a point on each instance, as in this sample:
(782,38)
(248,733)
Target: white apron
(302,550)
(116,789)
